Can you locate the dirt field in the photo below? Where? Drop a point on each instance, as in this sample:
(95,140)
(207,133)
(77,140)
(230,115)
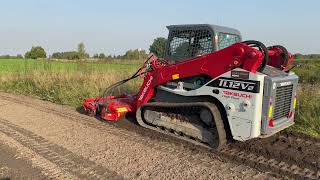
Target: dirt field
(35,143)
(43,140)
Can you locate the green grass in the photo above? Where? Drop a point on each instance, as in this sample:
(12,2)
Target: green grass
(308,104)
(308,110)
(70,82)
(63,82)
(308,72)
(21,65)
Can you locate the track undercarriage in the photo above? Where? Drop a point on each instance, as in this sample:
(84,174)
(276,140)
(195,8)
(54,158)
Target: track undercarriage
(198,122)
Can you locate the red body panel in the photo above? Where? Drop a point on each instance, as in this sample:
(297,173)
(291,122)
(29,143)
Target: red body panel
(212,64)
(277,60)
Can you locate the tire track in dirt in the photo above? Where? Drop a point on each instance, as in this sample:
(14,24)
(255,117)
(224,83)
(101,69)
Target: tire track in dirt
(14,167)
(63,158)
(33,160)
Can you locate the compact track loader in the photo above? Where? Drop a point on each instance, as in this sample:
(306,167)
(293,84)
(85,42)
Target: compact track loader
(210,88)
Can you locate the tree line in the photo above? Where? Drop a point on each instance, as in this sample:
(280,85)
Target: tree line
(19,56)
(38,52)
(157,47)
(306,56)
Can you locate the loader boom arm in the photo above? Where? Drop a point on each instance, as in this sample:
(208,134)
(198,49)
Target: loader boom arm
(212,64)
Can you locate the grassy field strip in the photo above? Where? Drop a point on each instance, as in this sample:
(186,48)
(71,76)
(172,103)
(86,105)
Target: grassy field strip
(20,65)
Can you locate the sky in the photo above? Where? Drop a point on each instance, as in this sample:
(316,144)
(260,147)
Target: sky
(112,27)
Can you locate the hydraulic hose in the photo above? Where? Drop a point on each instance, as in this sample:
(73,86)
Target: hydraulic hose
(262,48)
(109,90)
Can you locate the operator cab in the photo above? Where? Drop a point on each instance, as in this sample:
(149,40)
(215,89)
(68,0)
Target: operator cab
(188,41)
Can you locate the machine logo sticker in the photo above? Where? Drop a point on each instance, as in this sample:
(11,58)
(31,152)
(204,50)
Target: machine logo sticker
(240,74)
(236,84)
(237,94)
(145,88)
(285,83)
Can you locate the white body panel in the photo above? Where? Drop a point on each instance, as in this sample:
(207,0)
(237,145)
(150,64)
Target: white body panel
(243,107)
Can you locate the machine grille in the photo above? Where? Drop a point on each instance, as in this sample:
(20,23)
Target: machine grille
(282,102)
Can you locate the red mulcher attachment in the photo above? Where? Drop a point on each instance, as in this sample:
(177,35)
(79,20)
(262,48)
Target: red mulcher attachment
(116,106)
(112,108)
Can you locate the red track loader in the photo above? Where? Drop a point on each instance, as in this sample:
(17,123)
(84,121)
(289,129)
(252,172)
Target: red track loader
(210,87)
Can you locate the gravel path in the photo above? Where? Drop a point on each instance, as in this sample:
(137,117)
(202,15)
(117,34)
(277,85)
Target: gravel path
(64,148)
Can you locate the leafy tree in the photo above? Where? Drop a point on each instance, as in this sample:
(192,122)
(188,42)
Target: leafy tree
(35,53)
(96,56)
(57,55)
(99,56)
(102,56)
(82,50)
(158,46)
(27,55)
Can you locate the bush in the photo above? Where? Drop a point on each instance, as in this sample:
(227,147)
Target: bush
(35,53)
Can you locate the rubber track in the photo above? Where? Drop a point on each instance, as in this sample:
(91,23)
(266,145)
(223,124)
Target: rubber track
(63,158)
(237,154)
(214,110)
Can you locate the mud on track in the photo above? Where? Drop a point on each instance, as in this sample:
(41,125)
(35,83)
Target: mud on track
(284,154)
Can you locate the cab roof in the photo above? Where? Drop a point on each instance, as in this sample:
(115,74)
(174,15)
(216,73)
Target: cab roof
(212,27)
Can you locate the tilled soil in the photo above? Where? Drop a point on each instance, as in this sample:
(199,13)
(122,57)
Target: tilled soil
(64,144)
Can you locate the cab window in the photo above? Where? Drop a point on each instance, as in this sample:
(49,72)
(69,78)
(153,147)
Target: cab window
(226,40)
(185,44)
